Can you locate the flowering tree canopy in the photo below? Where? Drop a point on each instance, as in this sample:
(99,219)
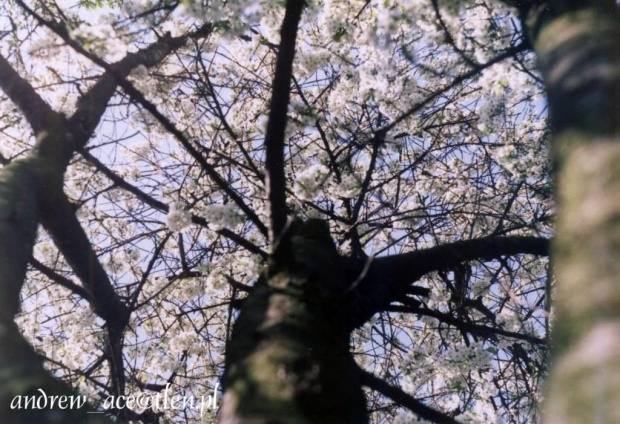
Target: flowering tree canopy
(335,210)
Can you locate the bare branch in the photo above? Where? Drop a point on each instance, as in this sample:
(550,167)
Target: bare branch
(36,111)
(59,279)
(151,201)
(408,267)
(276,124)
(58,218)
(455,82)
(483,330)
(404,399)
(390,277)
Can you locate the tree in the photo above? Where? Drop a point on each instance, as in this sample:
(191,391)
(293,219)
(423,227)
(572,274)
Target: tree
(579,58)
(344,209)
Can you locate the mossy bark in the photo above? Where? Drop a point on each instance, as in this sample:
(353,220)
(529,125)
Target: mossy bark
(578,48)
(289,360)
(21,369)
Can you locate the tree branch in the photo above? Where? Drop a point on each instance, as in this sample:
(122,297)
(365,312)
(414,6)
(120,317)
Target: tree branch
(404,399)
(36,111)
(390,277)
(456,81)
(138,97)
(276,124)
(60,280)
(58,218)
(91,106)
(469,327)
(21,368)
(409,267)
(154,203)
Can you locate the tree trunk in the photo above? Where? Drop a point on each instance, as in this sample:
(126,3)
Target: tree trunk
(578,48)
(288,360)
(21,369)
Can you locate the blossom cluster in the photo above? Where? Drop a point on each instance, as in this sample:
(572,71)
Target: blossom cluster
(223,216)
(348,188)
(309,181)
(178,218)
(466,163)
(100,39)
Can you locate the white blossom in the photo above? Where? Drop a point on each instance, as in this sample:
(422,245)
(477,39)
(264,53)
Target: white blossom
(349,187)
(308,182)
(223,216)
(178,218)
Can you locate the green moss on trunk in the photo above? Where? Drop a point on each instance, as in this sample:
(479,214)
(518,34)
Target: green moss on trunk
(578,49)
(289,360)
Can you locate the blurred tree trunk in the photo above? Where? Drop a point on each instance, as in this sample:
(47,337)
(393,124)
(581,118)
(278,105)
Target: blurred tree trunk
(577,44)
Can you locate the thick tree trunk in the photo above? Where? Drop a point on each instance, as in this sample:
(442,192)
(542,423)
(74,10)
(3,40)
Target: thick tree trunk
(21,369)
(288,360)
(578,49)
(31,192)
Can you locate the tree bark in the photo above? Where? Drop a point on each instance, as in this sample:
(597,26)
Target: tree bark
(31,192)
(288,360)
(577,43)
(21,369)
(390,278)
